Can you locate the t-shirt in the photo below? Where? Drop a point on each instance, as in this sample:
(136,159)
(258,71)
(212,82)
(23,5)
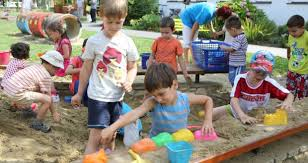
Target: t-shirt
(27,4)
(199,12)
(238,57)
(228,38)
(80,3)
(298,62)
(170,118)
(76,62)
(166,51)
(14,66)
(253,97)
(59,48)
(33,78)
(110,65)
(93,4)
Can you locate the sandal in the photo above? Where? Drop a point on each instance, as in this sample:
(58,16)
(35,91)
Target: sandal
(39,125)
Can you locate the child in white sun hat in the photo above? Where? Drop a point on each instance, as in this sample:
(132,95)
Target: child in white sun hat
(33,85)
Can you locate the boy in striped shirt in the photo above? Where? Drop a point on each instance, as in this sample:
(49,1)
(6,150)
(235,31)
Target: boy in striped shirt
(33,85)
(237,51)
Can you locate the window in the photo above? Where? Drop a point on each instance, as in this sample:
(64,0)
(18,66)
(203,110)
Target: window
(297,2)
(261,1)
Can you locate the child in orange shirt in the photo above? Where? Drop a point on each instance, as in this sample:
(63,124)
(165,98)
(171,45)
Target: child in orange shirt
(167,49)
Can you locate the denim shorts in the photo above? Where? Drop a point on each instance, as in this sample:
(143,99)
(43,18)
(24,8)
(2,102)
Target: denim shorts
(102,114)
(234,71)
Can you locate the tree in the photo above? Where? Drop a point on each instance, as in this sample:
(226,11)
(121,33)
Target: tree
(139,8)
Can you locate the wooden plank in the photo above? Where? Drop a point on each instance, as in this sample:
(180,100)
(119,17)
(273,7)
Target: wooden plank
(191,69)
(248,147)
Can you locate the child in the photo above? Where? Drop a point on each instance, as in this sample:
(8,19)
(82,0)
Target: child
(20,52)
(224,13)
(237,51)
(254,89)
(33,84)
(297,78)
(62,43)
(74,70)
(169,107)
(110,60)
(167,49)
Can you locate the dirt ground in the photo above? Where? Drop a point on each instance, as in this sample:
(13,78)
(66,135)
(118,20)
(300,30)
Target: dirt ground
(66,142)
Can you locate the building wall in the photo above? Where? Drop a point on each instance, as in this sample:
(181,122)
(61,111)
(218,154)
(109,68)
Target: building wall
(277,10)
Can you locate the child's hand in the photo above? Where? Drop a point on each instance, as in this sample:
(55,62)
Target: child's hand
(245,119)
(215,35)
(76,100)
(56,117)
(207,128)
(285,105)
(188,79)
(127,86)
(107,135)
(222,47)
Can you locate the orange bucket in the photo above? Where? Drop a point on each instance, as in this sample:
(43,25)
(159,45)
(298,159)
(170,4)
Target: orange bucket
(4,57)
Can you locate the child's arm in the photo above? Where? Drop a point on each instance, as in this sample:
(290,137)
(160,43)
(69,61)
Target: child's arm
(288,53)
(131,75)
(71,70)
(151,60)
(184,69)
(287,103)
(207,126)
(85,73)
(107,133)
(227,49)
(66,51)
(245,119)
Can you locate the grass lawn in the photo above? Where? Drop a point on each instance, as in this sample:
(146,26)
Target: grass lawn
(9,34)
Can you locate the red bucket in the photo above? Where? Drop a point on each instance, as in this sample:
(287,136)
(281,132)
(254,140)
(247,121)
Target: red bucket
(4,57)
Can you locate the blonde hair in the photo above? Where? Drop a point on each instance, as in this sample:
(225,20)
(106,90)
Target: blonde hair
(114,8)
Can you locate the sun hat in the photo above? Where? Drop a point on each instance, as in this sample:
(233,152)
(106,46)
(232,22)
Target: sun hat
(54,58)
(262,60)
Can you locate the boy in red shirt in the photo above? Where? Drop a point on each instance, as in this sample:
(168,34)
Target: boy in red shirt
(254,89)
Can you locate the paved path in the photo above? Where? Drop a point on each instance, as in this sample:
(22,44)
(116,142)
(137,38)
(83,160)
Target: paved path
(281,52)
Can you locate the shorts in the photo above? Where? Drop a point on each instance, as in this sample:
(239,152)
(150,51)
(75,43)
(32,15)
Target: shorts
(297,84)
(234,71)
(25,98)
(187,36)
(102,114)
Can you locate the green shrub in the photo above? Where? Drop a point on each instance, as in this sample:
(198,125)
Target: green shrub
(147,22)
(139,8)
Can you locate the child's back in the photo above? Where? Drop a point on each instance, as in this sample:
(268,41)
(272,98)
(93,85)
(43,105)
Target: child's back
(20,52)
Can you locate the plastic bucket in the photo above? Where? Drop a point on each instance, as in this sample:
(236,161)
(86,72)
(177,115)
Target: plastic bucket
(4,57)
(179,152)
(144,59)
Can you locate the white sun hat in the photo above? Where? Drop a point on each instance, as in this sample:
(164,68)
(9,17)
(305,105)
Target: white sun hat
(54,58)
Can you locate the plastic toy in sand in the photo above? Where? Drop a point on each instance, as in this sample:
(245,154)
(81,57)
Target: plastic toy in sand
(125,109)
(98,157)
(280,117)
(144,145)
(137,158)
(183,135)
(162,139)
(207,137)
(179,152)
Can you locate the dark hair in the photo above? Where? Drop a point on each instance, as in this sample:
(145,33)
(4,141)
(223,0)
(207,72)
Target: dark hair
(159,75)
(167,22)
(84,42)
(20,50)
(296,21)
(224,12)
(56,26)
(233,22)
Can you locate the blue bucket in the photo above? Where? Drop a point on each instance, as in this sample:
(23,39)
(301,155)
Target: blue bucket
(144,59)
(67,99)
(125,109)
(22,24)
(179,152)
